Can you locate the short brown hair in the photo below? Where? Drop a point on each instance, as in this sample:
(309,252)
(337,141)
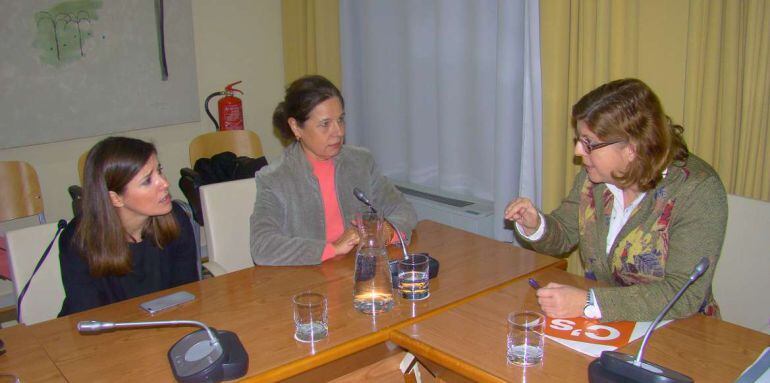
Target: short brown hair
(100,237)
(629,110)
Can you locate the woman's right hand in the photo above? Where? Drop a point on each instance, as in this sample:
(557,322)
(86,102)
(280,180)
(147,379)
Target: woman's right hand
(346,242)
(523,212)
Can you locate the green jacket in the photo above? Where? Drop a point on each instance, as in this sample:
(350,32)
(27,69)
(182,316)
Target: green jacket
(675,224)
(287,225)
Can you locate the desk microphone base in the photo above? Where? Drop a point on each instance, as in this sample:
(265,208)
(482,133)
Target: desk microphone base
(618,367)
(208,364)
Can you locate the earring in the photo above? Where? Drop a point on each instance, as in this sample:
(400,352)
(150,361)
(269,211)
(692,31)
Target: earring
(298,138)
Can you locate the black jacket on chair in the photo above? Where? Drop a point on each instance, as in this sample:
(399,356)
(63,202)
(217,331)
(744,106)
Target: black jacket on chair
(221,167)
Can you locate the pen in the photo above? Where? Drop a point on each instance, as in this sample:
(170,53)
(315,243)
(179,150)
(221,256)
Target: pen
(533,283)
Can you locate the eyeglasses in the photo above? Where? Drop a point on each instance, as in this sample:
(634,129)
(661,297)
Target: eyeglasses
(591,146)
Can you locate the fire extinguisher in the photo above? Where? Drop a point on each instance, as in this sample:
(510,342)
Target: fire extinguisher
(230,109)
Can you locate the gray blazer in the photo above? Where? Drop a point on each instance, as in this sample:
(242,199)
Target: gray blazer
(287,225)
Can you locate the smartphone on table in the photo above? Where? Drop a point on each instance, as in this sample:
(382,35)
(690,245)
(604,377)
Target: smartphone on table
(167,301)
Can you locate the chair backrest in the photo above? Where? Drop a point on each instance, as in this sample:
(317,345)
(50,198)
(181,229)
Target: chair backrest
(45,294)
(227,208)
(240,142)
(82,165)
(20,194)
(76,191)
(741,282)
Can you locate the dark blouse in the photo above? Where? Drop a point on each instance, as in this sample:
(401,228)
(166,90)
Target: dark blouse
(153,269)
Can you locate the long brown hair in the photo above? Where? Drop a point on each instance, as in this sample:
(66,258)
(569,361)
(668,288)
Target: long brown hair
(100,237)
(629,110)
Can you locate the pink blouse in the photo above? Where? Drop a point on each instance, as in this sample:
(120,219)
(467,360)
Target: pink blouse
(324,171)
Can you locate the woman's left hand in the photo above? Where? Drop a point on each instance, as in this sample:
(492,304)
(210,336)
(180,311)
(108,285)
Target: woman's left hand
(346,242)
(561,301)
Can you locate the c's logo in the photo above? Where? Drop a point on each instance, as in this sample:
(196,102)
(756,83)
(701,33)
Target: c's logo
(584,330)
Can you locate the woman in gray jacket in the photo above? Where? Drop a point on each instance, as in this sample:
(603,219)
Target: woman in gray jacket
(305,203)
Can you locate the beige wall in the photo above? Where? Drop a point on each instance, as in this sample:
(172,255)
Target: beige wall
(234,40)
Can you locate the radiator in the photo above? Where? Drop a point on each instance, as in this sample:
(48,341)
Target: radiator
(463,212)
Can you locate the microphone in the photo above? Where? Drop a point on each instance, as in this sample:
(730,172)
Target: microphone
(615,366)
(96,326)
(206,355)
(362,197)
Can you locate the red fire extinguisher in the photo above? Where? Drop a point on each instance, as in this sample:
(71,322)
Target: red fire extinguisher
(230,109)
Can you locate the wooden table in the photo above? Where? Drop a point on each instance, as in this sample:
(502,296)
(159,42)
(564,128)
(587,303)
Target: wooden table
(706,349)
(25,357)
(255,303)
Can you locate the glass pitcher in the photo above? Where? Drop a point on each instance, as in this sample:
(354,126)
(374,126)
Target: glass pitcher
(373,287)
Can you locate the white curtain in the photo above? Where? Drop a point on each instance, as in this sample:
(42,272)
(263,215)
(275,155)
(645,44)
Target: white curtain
(446,93)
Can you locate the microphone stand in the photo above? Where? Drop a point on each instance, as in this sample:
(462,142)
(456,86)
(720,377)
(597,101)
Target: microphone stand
(400,237)
(619,367)
(206,355)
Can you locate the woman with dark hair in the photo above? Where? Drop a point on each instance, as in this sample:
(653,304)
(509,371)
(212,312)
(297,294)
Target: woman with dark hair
(130,239)
(643,211)
(305,201)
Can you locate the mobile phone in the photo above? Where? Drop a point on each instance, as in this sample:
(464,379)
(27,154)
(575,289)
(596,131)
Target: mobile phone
(167,301)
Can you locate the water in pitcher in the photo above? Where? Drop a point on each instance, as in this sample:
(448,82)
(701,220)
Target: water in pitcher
(373,289)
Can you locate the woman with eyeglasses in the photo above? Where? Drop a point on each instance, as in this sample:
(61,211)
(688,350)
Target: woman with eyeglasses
(642,212)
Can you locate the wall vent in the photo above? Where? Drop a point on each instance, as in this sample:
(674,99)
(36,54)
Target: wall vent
(463,212)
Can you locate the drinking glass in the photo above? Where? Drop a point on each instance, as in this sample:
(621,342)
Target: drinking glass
(310,317)
(525,338)
(413,279)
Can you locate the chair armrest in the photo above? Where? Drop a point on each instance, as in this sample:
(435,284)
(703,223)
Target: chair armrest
(192,174)
(189,183)
(76,192)
(196,233)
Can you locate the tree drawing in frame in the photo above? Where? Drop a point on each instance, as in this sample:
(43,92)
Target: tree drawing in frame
(62,30)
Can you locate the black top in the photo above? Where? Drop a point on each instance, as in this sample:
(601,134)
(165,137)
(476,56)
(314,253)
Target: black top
(153,269)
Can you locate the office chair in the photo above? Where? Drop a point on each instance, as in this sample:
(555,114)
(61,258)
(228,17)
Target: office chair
(740,281)
(241,142)
(244,145)
(20,197)
(76,191)
(45,294)
(196,234)
(20,194)
(227,208)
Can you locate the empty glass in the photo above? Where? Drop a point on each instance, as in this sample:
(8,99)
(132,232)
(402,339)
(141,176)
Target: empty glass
(310,317)
(525,338)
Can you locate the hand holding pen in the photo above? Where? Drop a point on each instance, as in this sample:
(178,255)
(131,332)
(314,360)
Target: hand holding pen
(559,301)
